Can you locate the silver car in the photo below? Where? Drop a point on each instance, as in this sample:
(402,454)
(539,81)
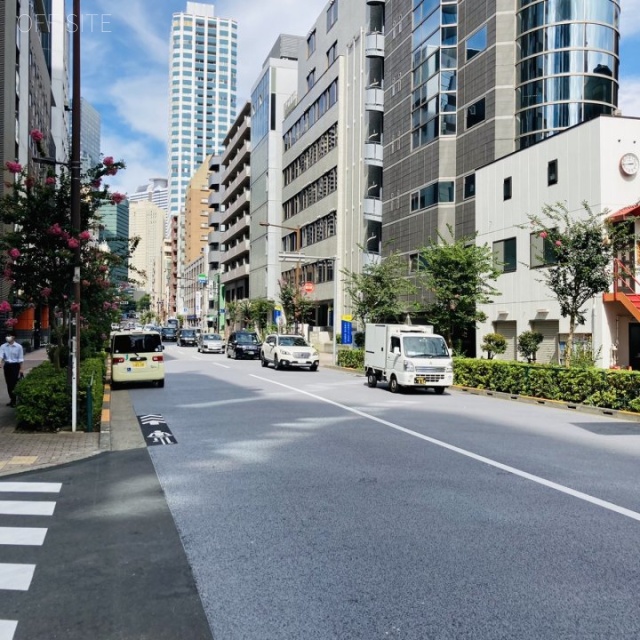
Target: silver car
(210,343)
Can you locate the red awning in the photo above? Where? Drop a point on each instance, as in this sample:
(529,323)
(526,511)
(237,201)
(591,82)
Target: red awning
(632,211)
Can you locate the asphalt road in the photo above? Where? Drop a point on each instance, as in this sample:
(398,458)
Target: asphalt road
(111,565)
(313,507)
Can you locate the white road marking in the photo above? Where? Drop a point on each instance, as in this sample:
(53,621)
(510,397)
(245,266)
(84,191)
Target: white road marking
(469,454)
(24,508)
(16,577)
(224,366)
(7,629)
(28,487)
(23,536)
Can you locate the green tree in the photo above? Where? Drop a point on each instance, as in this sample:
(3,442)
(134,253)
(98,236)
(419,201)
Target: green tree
(38,246)
(579,255)
(261,313)
(378,293)
(295,304)
(493,344)
(457,276)
(144,303)
(528,343)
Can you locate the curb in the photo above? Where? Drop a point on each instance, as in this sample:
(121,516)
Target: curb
(105,420)
(556,404)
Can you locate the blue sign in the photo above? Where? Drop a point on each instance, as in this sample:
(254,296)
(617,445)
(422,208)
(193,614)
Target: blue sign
(346,337)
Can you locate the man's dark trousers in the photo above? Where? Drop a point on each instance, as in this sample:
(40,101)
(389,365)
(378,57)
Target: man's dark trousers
(11,373)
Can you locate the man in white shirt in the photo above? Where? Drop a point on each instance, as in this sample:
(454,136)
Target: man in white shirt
(11,360)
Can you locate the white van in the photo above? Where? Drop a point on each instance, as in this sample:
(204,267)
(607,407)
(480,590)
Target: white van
(136,356)
(407,356)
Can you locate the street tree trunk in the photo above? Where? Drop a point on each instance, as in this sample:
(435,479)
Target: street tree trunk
(568,351)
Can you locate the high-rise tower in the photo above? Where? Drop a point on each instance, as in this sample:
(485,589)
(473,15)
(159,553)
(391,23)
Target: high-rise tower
(202,90)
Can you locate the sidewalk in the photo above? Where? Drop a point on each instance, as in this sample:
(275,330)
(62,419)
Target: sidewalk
(25,451)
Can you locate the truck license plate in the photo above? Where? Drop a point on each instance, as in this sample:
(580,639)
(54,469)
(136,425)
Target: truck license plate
(420,380)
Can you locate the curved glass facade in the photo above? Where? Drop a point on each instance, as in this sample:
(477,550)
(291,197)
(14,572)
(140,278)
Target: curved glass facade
(567,68)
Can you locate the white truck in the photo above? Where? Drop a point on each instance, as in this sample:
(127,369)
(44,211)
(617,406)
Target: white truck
(407,356)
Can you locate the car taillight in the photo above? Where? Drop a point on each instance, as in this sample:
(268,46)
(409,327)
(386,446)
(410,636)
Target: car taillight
(158,358)
(118,360)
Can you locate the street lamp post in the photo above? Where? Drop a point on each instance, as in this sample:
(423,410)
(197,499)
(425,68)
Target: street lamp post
(285,257)
(298,231)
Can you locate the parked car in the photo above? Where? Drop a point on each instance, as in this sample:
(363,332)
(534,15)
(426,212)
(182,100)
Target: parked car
(288,351)
(243,344)
(210,343)
(169,334)
(136,356)
(187,337)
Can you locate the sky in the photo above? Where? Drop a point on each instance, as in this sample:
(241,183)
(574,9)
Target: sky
(125,60)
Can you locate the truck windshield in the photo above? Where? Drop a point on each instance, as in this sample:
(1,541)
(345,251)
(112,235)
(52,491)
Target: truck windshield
(425,347)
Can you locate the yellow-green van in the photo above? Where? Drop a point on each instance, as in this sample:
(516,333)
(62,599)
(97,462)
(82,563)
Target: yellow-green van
(136,356)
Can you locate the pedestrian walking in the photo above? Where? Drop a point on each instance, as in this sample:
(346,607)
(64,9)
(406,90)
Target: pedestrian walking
(11,360)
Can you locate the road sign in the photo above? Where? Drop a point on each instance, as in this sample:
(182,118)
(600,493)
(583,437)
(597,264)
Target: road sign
(202,278)
(309,287)
(155,430)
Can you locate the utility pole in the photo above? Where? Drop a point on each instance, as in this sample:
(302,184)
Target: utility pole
(76,219)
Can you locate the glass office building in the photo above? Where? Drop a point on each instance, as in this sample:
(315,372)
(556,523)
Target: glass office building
(567,69)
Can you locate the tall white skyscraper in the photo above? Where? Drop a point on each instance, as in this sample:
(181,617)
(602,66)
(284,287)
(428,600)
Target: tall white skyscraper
(203,90)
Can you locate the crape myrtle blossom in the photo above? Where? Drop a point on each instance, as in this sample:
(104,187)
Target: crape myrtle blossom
(37,135)
(13,167)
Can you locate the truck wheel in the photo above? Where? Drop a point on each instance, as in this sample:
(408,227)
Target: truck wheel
(394,387)
(372,379)
(439,390)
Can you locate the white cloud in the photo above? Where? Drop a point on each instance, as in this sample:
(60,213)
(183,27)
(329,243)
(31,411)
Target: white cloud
(260,22)
(142,160)
(629,99)
(630,18)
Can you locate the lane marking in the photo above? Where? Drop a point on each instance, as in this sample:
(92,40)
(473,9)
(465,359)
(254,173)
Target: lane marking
(24,508)
(35,487)
(634,515)
(7,629)
(224,366)
(23,536)
(16,577)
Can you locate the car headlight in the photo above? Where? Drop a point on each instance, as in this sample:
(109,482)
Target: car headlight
(408,365)
(448,369)
(314,354)
(284,352)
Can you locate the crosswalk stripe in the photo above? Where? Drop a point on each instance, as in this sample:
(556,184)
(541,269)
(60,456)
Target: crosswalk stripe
(25,508)
(7,629)
(16,577)
(31,487)
(23,536)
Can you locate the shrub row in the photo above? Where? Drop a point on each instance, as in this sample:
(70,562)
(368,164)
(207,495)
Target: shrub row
(351,358)
(44,396)
(605,388)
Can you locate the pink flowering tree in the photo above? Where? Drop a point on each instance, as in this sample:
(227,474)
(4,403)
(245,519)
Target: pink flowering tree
(577,251)
(38,245)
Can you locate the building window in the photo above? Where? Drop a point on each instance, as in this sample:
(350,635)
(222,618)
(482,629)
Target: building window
(311,43)
(431,195)
(332,14)
(552,172)
(504,255)
(542,251)
(311,79)
(476,43)
(332,54)
(417,262)
(469,186)
(506,189)
(475,113)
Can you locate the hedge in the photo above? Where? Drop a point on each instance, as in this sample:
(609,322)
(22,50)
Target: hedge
(604,388)
(351,358)
(44,397)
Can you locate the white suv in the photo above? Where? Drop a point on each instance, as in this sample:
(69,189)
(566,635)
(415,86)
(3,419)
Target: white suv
(288,351)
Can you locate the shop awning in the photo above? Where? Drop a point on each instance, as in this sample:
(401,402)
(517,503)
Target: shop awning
(632,211)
